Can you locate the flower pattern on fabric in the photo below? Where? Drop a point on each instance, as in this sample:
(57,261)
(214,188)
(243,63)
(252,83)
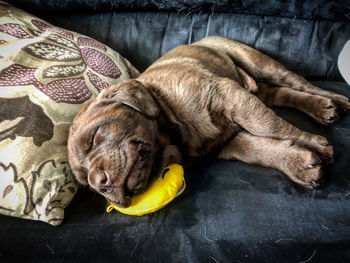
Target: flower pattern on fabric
(44,27)
(40,195)
(66,90)
(14,30)
(44,81)
(12,187)
(100,63)
(64,71)
(31,120)
(89,42)
(17,75)
(62,41)
(51,52)
(97,81)
(64,58)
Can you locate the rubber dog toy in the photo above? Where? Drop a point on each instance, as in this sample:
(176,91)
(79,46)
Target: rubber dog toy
(162,191)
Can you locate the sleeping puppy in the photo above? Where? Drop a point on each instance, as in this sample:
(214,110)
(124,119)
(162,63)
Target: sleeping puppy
(211,96)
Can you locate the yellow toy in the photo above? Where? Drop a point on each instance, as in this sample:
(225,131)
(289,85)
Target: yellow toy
(163,190)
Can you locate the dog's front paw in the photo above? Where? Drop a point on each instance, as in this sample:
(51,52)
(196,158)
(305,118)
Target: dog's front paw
(343,106)
(303,167)
(341,102)
(326,112)
(323,110)
(322,148)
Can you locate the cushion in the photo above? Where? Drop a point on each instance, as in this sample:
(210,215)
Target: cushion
(46,75)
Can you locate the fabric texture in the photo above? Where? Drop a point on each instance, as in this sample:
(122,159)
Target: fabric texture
(307,47)
(230,211)
(46,74)
(311,9)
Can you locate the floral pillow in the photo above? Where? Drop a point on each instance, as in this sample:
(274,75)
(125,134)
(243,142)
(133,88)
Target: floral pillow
(46,74)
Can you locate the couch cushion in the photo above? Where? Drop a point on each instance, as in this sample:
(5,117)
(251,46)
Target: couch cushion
(46,74)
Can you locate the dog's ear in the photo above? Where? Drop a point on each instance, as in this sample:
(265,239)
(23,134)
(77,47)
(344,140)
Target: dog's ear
(133,94)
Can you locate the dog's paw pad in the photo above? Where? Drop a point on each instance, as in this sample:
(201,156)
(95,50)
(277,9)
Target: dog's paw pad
(304,167)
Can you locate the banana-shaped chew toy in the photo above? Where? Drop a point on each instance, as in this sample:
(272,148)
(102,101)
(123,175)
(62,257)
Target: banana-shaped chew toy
(162,191)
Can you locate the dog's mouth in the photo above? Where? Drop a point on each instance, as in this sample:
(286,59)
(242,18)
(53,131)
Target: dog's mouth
(124,203)
(125,200)
(122,197)
(138,181)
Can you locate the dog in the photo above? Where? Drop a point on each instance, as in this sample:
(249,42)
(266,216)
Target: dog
(213,96)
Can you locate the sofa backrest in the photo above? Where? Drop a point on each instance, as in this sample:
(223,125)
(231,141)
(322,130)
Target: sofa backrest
(309,9)
(307,36)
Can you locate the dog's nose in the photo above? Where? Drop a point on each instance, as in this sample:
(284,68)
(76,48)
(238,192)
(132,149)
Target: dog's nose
(102,179)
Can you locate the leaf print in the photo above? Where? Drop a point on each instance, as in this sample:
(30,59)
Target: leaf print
(14,30)
(71,189)
(98,83)
(63,41)
(44,27)
(100,63)
(72,91)
(33,122)
(47,184)
(17,75)
(41,25)
(51,52)
(7,190)
(86,41)
(61,71)
(15,196)
(34,32)
(51,194)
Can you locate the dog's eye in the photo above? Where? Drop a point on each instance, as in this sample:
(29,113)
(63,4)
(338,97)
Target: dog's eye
(92,138)
(137,142)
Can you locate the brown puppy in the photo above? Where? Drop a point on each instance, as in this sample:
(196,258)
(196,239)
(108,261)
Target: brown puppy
(196,99)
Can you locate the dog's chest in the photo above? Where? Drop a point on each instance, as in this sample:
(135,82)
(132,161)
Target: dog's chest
(208,135)
(198,134)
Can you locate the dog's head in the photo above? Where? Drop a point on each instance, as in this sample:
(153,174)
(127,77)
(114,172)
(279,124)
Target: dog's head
(113,140)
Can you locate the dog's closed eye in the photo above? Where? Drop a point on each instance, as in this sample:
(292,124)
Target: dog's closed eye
(143,147)
(92,141)
(137,142)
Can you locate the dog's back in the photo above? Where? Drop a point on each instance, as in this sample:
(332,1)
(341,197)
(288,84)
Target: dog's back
(185,82)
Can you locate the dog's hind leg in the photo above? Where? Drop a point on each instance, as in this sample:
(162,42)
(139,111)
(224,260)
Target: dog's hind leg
(322,109)
(254,116)
(265,69)
(299,164)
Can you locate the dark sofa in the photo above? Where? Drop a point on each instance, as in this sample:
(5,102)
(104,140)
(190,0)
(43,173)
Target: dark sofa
(230,211)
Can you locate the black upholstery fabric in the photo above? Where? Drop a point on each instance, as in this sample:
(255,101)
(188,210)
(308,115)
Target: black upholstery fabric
(311,9)
(230,211)
(307,47)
